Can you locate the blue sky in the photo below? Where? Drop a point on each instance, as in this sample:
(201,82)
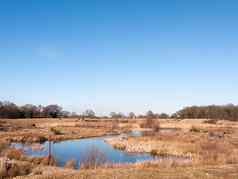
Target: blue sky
(127,55)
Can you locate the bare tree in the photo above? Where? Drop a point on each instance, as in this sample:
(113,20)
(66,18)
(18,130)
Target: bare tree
(29,111)
(132,115)
(163,116)
(150,115)
(117,115)
(89,113)
(9,110)
(53,111)
(113,115)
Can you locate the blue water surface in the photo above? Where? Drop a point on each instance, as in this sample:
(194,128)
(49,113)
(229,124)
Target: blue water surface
(76,149)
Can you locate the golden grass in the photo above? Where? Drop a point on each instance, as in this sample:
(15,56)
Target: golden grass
(213,144)
(208,172)
(213,155)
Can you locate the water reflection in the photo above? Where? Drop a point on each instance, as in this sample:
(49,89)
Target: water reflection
(76,149)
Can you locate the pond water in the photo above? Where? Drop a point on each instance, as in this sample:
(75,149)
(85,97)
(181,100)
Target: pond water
(76,149)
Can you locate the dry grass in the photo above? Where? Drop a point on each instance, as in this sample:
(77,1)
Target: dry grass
(213,147)
(207,143)
(228,172)
(14,168)
(38,130)
(216,152)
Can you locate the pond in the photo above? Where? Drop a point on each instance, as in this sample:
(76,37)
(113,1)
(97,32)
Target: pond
(76,149)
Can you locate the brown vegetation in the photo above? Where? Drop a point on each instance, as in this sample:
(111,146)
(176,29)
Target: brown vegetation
(207,144)
(152,124)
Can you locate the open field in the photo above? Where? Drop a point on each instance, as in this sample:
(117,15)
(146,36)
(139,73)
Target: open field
(211,147)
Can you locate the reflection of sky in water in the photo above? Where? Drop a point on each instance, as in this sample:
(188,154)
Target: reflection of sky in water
(74,149)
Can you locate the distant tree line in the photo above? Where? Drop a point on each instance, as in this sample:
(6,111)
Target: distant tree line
(151,115)
(11,111)
(225,112)
(132,115)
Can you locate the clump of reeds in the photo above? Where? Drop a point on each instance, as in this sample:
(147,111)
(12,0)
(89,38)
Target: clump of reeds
(119,146)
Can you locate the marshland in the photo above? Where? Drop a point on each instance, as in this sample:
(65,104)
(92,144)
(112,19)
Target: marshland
(118,89)
(87,146)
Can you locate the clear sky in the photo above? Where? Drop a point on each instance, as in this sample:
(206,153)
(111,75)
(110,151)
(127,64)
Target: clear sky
(119,55)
